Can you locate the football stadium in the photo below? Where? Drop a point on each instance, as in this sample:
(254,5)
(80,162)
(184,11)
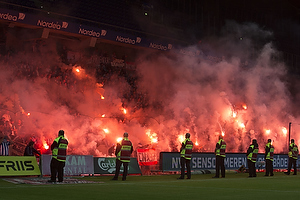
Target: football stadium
(156,70)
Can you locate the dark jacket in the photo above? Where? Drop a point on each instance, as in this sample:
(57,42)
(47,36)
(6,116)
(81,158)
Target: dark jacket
(30,151)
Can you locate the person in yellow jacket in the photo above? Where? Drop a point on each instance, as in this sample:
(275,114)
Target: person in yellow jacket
(220,156)
(252,157)
(59,155)
(293,156)
(186,156)
(269,157)
(123,152)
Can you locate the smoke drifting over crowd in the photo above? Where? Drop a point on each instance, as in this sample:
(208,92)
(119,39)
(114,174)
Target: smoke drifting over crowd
(230,85)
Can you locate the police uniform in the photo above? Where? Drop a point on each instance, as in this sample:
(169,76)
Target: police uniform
(59,154)
(293,156)
(123,152)
(186,156)
(269,157)
(220,156)
(252,157)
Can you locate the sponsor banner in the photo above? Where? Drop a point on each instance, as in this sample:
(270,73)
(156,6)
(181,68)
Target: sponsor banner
(91,31)
(75,165)
(146,157)
(129,39)
(107,165)
(36,20)
(45,22)
(233,161)
(18,166)
(13,16)
(160,46)
(98,32)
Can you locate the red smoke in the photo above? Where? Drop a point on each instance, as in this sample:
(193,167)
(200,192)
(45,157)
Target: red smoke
(207,94)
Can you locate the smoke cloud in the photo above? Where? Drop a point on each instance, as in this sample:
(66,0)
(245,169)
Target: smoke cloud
(233,84)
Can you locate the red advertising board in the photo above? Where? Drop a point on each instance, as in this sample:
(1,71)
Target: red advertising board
(147,157)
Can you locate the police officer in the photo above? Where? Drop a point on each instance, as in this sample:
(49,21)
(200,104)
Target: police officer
(123,152)
(220,156)
(59,154)
(251,158)
(186,156)
(269,155)
(293,156)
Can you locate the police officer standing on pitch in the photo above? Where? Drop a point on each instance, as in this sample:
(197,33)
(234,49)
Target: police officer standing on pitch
(59,154)
(269,155)
(220,156)
(251,158)
(293,156)
(123,152)
(186,156)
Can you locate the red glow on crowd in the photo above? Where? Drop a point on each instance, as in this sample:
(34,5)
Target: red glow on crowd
(157,99)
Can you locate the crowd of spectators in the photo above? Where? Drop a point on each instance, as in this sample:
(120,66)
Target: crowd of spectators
(101,68)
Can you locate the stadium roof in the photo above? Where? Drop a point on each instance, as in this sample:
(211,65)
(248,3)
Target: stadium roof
(119,15)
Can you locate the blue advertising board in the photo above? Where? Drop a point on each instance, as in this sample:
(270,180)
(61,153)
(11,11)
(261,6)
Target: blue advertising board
(98,32)
(207,161)
(75,165)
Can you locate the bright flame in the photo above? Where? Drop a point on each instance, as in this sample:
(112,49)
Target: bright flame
(268,131)
(234,114)
(119,139)
(284,130)
(223,134)
(181,138)
(79,72)
(154,140)
(196,143)
(245,106)
(102,97)
(152,136)
(46,146)
(242,125)
(124,111)
(103,115)
(106,130)
(28,114)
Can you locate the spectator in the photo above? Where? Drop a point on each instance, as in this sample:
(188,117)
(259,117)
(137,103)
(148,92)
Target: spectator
(30,150)
(4,146)
(111,150)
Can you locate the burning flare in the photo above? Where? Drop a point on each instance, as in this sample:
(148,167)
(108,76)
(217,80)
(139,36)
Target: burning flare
(284,131)
(268,131)
(119,139)
(106,130)
(45,145)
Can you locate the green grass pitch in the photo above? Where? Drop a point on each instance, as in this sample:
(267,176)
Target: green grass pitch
(234,186)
